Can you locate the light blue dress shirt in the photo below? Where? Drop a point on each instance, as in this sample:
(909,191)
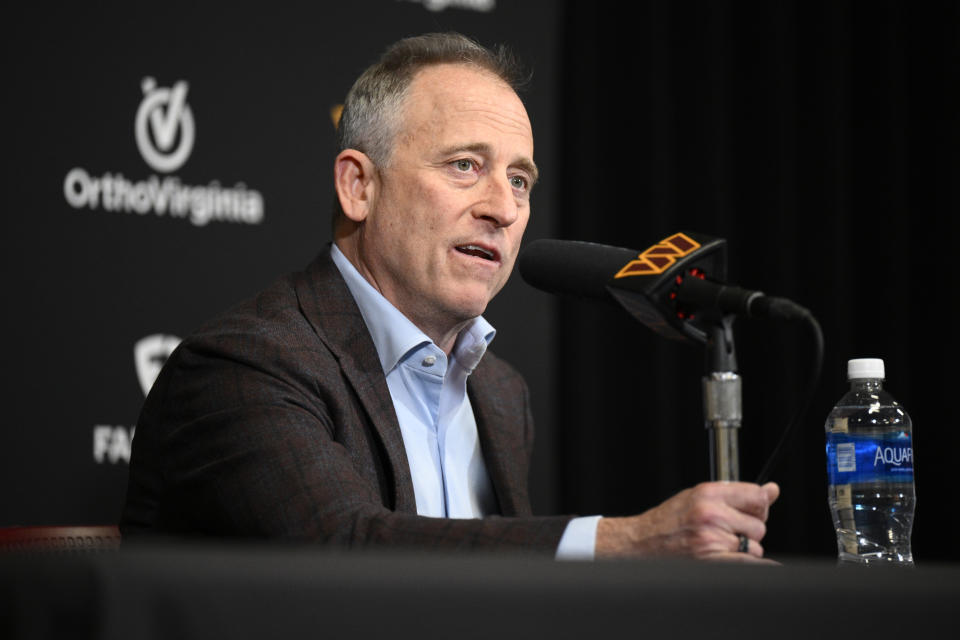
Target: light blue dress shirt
(436,420)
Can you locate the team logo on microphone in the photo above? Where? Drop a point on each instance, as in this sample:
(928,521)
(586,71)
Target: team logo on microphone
(163,114)
(660,256)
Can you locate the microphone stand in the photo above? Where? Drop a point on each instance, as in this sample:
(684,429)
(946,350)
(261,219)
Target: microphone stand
(722,401)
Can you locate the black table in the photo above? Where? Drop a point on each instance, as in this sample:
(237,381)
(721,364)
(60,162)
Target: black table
(287,592)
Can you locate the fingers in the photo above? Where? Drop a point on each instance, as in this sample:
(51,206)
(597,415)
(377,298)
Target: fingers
(741,509)
(747,497)
(734,507)
(705,522)
(752,554)
(748,546)
(732,521)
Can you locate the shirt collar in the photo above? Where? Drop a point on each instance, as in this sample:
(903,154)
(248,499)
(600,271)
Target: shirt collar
(394,335)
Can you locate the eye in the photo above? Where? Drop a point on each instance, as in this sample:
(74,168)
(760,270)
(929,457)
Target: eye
(518,182)
(463,165)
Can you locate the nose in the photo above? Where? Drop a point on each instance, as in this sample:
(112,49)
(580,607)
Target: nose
(499,204)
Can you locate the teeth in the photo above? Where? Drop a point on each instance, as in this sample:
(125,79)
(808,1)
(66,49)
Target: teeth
(474,250)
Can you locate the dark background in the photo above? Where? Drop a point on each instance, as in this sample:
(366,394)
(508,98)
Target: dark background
(818,138)
(83,286)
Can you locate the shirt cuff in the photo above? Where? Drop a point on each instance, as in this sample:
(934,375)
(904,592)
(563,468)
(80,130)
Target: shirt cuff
(579,539)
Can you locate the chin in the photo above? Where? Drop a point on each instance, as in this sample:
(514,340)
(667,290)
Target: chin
(467,308)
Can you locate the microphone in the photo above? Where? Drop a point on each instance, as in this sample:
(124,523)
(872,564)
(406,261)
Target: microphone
(701,293)
(676,287)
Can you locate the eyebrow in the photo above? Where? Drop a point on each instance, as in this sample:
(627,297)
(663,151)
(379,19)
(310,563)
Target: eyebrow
(525,164)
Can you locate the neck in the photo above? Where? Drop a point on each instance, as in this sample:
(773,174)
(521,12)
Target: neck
(443,332)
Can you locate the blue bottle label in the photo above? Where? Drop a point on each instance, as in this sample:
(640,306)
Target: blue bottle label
(855,458)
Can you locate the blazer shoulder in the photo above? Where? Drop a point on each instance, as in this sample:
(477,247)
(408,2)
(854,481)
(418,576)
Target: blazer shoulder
(264,347)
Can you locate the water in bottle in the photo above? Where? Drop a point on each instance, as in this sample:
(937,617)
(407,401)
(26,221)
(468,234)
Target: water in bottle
(870,470)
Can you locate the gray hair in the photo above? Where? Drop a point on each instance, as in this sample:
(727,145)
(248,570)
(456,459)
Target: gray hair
(372,111)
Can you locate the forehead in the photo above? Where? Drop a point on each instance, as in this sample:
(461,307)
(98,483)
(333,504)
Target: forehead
(461,100)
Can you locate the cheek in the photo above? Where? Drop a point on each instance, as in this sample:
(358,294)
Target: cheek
(515,232)
(426,209)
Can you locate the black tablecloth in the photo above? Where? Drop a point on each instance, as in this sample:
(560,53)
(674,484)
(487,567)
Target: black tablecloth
(280,592)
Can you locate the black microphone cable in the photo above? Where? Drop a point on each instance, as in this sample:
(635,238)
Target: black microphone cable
(807,397)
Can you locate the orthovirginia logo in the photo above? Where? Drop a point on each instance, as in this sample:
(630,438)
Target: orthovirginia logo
(162,114)
(165,131)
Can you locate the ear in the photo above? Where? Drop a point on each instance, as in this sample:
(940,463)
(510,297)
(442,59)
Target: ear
(355,179)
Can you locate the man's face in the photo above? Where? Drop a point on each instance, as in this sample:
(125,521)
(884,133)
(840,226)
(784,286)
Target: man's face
(445,226)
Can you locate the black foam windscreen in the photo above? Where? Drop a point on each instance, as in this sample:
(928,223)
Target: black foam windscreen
(572,267)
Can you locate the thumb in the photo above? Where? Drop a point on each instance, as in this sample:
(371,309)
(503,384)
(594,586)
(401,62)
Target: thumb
(772,490)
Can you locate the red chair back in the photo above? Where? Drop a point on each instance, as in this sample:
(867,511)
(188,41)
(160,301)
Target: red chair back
(64,539)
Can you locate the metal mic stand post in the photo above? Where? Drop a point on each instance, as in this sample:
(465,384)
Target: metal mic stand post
(722,402)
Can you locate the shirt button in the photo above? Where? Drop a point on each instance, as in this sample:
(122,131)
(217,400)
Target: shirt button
(429,361)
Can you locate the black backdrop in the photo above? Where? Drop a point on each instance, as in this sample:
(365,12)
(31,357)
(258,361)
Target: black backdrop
(87,278)
(820,139)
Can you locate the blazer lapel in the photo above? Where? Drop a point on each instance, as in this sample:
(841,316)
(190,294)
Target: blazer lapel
(328,305)
(500,430)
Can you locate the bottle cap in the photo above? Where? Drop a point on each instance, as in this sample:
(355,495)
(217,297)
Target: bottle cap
(860,368)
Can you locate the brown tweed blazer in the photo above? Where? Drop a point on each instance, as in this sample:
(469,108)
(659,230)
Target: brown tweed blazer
(274,420)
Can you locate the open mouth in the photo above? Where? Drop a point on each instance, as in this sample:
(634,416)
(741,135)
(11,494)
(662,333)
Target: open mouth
(477,251)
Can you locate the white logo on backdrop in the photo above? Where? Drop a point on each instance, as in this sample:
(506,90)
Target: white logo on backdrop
(162,114)
(165,132)
(482,6)
(112,442)
(150,353)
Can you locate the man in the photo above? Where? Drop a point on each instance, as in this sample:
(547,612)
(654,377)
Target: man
(354,403)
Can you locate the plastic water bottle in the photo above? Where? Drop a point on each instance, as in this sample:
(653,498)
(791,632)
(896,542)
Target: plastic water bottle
(870,471)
